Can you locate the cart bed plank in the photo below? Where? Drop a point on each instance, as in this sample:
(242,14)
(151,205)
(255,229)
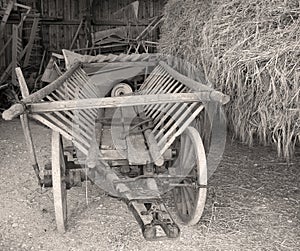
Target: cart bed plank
(137,153)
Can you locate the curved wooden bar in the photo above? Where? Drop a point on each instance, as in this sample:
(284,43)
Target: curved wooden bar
(18,109)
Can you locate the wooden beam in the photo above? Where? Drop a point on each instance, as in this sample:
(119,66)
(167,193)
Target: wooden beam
(40,94)
(76,34)
(26,127)
(109,102)
(14,57)
(22,83)
(116,65)
(8,10)
(121,101)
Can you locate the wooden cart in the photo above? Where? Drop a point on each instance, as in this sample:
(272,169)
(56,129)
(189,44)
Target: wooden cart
(136,145)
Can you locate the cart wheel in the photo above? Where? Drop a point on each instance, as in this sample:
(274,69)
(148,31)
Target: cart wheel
(58,182)
(203,124)
(190,200)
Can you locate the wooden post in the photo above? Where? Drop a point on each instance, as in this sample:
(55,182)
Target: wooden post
(76,35)
(14,53)
(88,24)
(25,126)
(2,26)
(31,41)
(5,17)
(59,183)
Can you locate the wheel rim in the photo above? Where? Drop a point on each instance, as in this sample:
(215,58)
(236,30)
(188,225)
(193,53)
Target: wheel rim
(190,200)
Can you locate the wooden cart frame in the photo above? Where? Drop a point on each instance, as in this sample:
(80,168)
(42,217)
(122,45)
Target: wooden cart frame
(169,148)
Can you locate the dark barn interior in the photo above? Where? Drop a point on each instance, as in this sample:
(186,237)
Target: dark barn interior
(87,27)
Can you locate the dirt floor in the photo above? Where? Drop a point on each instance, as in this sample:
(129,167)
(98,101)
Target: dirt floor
(253,204)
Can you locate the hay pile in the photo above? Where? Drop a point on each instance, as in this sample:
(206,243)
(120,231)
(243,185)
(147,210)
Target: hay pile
(249,49)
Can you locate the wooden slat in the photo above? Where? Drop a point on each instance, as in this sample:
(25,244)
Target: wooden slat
(167,113)
(70,123)
(157,71)
(76,34)
(84,76)
(167,108)
(178,118)
(170,86)
(178,111)
(70,131)
(40,94)
(122,101)
(88,112)
(165,85)
(181,129)
(196,86)
(85,116)
(153,82)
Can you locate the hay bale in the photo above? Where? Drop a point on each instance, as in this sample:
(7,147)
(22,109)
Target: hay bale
(249,49)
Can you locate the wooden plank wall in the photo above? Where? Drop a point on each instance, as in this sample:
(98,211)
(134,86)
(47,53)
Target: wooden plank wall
(69,13)
(60,19)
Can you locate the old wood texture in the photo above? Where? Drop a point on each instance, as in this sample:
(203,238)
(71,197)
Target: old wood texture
(58,19)
(26,127)
(171,119)
(108,102)
(6,43)
(40,94)
(154,149)
(7,12)
(58,182)
(76,34)
(14,57)
(31,41)
(215,96)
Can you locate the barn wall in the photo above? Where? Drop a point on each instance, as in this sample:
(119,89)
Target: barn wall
(61,18)
(69,13)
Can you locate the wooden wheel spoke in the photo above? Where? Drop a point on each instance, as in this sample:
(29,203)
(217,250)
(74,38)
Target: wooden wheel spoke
(181,152)
(191,193)
(187,149)
(187,201)
(183,202)
(192,161)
